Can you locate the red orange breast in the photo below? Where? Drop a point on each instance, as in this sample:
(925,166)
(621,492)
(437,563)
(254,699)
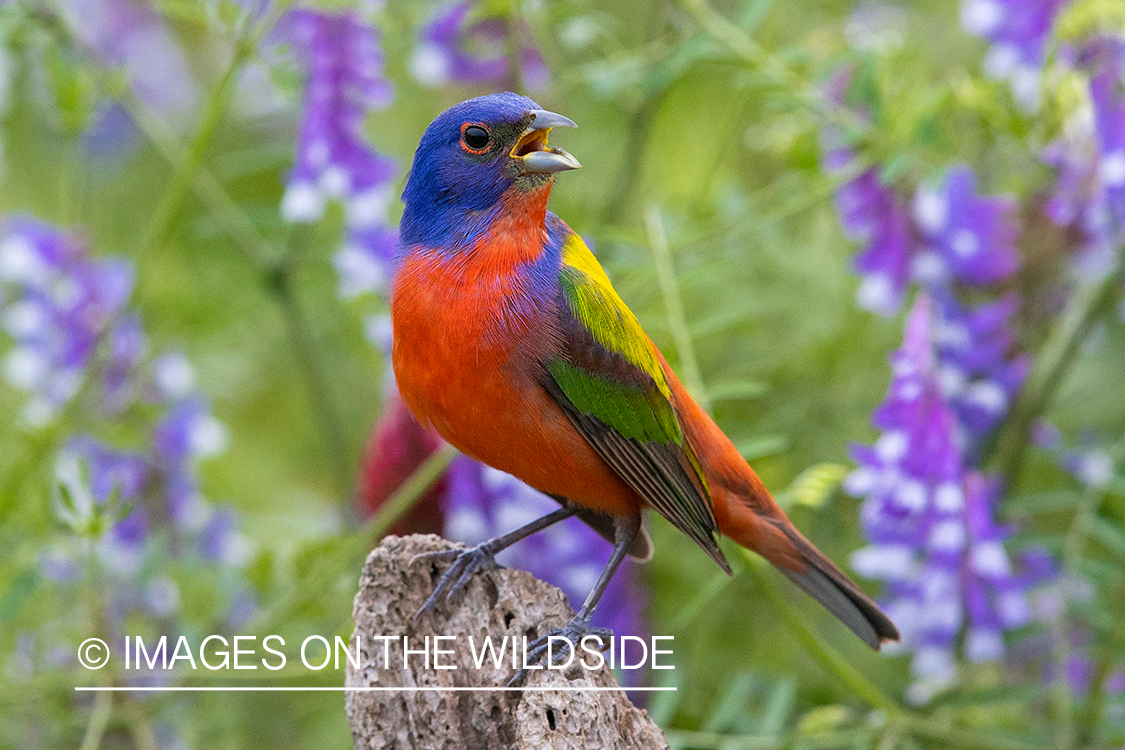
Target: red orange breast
(468,339)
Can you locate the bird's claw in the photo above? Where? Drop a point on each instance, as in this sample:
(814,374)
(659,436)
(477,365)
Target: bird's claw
(466,562)
(574,631)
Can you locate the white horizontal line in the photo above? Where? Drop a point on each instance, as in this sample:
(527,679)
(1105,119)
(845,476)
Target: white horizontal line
(371,689)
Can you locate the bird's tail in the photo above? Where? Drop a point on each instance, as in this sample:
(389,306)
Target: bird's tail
(747,513)
(830,586)
(776,539)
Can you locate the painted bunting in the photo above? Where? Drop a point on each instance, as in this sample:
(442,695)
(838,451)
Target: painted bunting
(511,343)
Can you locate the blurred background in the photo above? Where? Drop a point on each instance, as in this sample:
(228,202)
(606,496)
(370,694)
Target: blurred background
(881,242)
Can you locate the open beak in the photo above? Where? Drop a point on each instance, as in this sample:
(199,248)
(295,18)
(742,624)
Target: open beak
(532,149)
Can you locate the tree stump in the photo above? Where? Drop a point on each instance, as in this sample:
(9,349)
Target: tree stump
(502,602)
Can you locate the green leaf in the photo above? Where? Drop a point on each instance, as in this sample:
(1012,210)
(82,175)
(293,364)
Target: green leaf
(896,168)
(662,705)
(816,484)
(824,719)
(229,14)
(991,696)
(1052,501)
(754,13)
(1098,570)
(779,706)
(189,11)
(1110,536)
(725,318)
(732,705)
(73,87)
(261,570)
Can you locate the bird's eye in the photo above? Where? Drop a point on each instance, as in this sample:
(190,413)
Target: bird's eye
(475,137)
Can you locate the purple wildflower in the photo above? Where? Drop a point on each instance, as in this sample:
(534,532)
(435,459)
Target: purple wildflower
(133,35)
(929,518)
(125,350)
(1089,158)
(1107,91)
(1018,31)
(220,540)
(952,234)
(344,64)
(110,134)
(1109,106)
(871,213)
(456,46)
(968,238)
(140,508)
(482,503)
(113,473)
(58,306)
(977,371)
(1088,462)
(876,27)
(185,435)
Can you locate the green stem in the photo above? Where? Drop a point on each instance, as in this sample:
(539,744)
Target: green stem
(891,736)
(629,173)
(718,583)
(410,492)
(96,609)
(673,305)
(829,658)
(1073,546)
(99,720)
(305,346)
(171,201)
(782,75)
(207,188)
(139,727)
(44,443)
(960,738)
(1108,655)
(1057,355)
(275,271)
(351,549)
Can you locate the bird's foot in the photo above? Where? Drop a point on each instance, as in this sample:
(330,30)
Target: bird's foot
(466,562)
(563,639)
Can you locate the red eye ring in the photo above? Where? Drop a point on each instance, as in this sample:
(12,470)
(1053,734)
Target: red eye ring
(471,141)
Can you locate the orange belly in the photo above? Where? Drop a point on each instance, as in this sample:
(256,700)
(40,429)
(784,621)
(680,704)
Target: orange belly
(467,365)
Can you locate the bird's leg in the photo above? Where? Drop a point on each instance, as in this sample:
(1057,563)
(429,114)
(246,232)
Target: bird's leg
(625,531)
(481,557)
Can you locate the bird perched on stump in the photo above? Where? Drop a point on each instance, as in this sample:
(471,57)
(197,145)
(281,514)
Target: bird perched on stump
(511,343)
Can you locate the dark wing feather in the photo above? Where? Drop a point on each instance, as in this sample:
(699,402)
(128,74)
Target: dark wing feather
(654,472)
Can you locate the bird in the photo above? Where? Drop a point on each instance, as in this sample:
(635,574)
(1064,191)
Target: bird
(511,343)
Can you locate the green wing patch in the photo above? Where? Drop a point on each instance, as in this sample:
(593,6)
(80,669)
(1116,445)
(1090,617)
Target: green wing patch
(626,407)
(611,385)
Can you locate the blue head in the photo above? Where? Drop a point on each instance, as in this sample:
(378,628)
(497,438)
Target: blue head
(469,157)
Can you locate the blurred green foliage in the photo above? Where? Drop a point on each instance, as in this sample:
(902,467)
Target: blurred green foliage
(674,125)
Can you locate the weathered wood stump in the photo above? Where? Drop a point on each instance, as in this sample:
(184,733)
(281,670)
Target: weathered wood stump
(498,603)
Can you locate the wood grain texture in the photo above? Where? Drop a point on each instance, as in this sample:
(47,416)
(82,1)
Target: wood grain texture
(497,603)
